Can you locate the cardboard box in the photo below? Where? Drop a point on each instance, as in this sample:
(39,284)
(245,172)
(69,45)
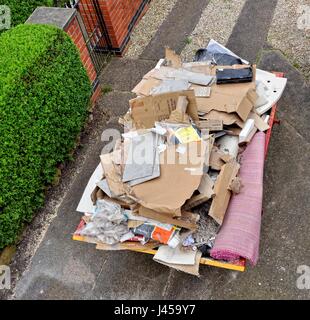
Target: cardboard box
(146,110)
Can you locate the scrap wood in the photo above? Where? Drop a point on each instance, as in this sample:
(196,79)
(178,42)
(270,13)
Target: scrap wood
(126,246)
(221,189)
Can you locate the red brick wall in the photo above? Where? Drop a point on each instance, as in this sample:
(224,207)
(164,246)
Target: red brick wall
(117,16)
(74,31)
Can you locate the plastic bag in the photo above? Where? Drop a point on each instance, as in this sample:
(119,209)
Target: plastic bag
(108,223)
(221,59)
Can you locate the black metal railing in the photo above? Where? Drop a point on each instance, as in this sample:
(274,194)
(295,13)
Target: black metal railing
(94,30)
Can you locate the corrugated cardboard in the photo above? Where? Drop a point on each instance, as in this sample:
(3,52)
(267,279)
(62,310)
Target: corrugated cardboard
(177,181)
(144,87)
(211,124)
(185,221)
(146,110)
(172,59)
(216,162)
(259,123)
(227,98)
(195,201)
(179,115)
(114,179)
(222,193)
(227,118)
(206,186)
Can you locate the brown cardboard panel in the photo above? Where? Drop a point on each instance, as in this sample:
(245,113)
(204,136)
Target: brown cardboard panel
(146,110)
(211,124)
(144,87)
(195,201)
(229,99)
(180,177)
(216,158)
(259,123)
(222,193)
(227,118)
(179,115)
(206,186)
(172,59)
(183,222)
(113,176)
(134,223)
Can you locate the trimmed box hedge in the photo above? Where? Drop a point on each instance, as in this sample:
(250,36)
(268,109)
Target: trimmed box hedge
(44,96)
(22,9)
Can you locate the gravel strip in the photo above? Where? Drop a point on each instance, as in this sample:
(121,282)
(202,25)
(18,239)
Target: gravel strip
(148,26)
(288,33)
(217,22)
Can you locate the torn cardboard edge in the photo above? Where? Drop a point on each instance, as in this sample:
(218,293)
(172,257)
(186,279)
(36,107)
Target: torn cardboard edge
(187,220)
(172,58)
(190,269)
(145,111)
(227,118)
(167,194)
(221,189)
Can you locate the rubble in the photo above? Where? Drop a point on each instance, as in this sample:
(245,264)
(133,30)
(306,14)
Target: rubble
(173,178)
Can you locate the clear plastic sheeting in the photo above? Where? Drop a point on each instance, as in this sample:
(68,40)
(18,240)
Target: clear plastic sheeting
(108,223)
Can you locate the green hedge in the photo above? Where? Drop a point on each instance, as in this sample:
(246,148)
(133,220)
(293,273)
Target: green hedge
(22,9)
(44,95)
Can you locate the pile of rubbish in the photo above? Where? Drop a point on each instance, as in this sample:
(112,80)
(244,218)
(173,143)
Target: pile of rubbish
(186,176)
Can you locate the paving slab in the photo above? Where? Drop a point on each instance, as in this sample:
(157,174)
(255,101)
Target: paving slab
(175,30)
(251,30)
(124,74)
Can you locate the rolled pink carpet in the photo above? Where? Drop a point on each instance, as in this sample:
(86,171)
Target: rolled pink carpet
(240,232)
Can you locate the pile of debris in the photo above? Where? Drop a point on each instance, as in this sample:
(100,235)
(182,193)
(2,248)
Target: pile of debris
(186,177)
